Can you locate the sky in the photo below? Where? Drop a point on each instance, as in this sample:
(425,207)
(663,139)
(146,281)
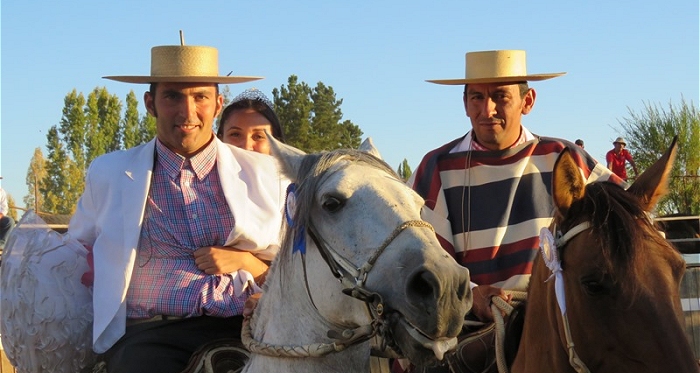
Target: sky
(619,56)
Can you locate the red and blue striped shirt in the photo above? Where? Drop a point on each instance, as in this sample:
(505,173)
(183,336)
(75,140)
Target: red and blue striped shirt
(488,207)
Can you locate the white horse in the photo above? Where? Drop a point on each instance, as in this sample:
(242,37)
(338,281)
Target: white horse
(356,262)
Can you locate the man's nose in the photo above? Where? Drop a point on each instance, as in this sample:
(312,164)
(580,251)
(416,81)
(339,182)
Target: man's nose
(489,108)
(188,109)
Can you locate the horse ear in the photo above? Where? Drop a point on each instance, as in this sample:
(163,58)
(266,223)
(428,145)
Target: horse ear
(289,157)
(367,146)
(652,184)
(568,185)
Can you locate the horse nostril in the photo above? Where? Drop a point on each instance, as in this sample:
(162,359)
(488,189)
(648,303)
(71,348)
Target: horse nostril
(422,284)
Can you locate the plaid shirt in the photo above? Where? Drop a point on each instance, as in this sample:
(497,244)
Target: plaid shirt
(186,210)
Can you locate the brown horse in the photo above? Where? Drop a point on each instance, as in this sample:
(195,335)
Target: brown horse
(618,282)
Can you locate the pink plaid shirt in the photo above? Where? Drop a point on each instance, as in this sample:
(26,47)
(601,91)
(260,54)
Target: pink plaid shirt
(186,210)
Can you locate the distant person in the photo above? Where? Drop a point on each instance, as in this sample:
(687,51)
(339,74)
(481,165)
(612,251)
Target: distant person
(579,142)
(6,222)
(617,157)
(244,121)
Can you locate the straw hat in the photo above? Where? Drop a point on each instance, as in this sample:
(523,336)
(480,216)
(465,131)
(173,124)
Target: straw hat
(495,67)
(186,64)
(620,140)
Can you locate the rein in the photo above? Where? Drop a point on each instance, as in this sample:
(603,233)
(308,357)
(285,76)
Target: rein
(549,246)
(353,279)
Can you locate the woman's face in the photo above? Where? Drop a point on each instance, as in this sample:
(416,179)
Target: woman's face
(246,129)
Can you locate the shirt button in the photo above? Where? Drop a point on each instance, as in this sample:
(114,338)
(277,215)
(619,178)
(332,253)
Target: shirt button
(194,216)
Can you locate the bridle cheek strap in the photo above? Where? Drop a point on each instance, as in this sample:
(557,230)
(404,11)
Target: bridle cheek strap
(549,246)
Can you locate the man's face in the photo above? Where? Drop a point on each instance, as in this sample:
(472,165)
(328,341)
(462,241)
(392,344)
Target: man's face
(184,114)
(495,110)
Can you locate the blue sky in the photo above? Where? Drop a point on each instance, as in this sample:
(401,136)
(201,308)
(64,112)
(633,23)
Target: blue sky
(376,55)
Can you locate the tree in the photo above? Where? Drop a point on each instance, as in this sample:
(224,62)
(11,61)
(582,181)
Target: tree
(88,129)
(131,123)
(404,170)
(650,133)
(312,118)
(11,204)
(35,177)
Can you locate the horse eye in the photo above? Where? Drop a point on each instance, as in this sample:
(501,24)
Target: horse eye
(595,288)
(333,204)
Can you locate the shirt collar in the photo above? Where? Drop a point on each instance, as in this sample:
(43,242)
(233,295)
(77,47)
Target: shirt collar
(202,163)
(467,144)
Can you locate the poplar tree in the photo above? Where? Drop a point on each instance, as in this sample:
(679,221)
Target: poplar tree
(404,170)
(36,173)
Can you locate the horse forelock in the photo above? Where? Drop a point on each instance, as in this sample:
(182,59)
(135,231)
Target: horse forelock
(622,228)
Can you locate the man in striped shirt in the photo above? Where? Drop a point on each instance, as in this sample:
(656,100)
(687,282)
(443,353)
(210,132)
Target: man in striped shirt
(182,228)
(488,193)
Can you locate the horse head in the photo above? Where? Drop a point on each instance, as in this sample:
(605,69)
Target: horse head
(613,302)
(358,261)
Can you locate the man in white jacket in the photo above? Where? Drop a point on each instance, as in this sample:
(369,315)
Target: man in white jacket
(181,228)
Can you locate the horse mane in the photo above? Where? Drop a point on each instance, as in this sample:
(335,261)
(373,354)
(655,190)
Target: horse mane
(622,227)
(312,172)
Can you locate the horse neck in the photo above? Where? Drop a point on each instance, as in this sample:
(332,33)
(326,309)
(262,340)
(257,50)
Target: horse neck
(286,316)
(541,348)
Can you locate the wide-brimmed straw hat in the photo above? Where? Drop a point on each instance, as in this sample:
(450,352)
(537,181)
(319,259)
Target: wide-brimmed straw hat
(496,67)
(184,64)
(620,140)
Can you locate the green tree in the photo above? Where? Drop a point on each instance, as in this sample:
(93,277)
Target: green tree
(88,129)
(131,123)
(56,187)
(650,132)
(312,118)
(35,177)
(404,170)
(11,205)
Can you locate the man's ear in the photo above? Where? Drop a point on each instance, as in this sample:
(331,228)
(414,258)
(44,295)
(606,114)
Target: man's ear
(149,101)
(529,101)
(464,100)
(219,105)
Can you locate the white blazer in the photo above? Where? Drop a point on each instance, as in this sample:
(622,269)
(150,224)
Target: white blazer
(111,210)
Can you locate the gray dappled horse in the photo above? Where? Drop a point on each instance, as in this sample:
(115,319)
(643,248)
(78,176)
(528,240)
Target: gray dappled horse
(356,261)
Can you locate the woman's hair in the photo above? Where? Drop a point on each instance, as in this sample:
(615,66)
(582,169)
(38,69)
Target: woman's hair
(256,100)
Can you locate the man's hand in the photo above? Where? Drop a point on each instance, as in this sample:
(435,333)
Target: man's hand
(482,301)
(217,260)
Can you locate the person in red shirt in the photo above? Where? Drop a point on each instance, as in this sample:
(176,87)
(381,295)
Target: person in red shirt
(617,157)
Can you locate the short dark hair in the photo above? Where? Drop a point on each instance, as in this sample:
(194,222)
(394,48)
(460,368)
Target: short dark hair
(578,142)
(257,105)
(523,86)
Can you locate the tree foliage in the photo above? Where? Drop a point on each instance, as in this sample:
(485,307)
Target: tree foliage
(650,132)
(36,174)
(88,128)
(404,171)
(11,204)
(312,118)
